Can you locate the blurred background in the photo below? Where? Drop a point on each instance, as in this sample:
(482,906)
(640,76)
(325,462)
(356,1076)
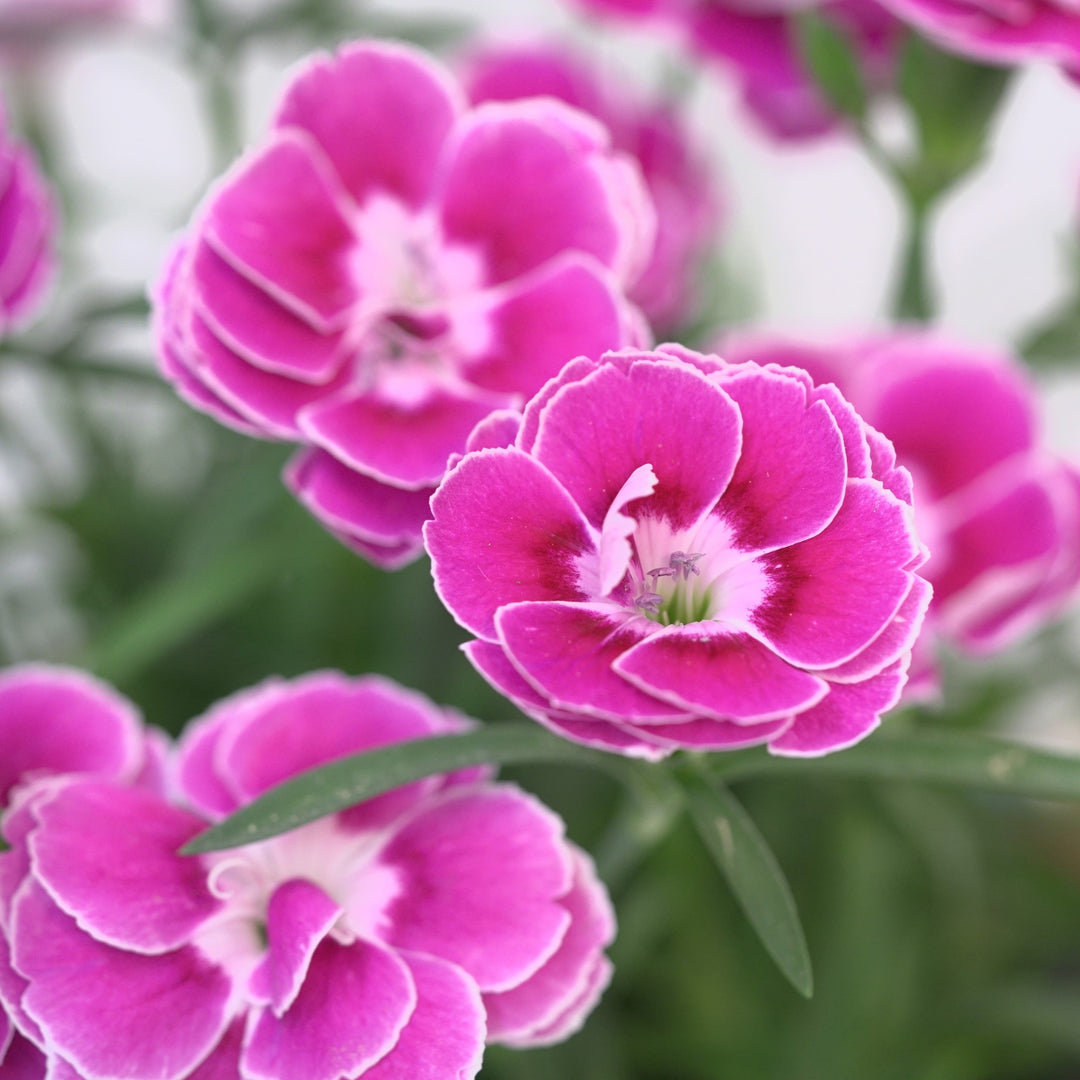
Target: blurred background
(145,542)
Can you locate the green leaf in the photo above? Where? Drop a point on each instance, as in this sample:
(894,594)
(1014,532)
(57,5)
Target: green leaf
(953,102)
(350,780)
(177,609)
(1056,344)
(754,875)
(963,759)
(831,57)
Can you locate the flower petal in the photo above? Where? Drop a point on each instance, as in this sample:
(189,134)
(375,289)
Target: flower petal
(281,219)
(567,651)
(834,593)
(551,158)
(404,444)
(60,720)
(107,855)
(566,981)
(362,511)
(848,714)
(595,432)
(713,671)
(298,917)
(445,1034)
(570,307)
(257,327)
(790,477)
(23,1060)
(483,870)
(128,1026)
(381,113)
(706,734)
(350,1011)
(504,530)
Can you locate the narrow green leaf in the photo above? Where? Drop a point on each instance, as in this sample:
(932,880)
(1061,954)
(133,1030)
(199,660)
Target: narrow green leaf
(831,57)
(350,780)
(170,613)
(963,759)
(755,877)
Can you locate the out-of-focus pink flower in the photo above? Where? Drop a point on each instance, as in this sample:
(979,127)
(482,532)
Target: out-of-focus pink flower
(757,41)
(683,189)
(391,266)
(1000,31)
(677,552)
(29,26)
(387,941)
(999,512)
(27,232)
(56,721)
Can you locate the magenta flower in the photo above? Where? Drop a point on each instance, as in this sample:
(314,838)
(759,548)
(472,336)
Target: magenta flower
(688,210)
(1000,514)
(388,941)
(391,266)
(56,721)
(1000,32)
(27,233)
(676,552)
(757,42)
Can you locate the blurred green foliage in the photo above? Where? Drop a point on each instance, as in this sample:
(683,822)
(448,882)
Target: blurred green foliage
(944,927)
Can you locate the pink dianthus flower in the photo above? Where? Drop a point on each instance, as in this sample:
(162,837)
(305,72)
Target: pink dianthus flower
(1000,31)
(683,189)
(387,941)
(56,721)
(388,268)
(27,232)
(999,512)
(757,41)
(670,551)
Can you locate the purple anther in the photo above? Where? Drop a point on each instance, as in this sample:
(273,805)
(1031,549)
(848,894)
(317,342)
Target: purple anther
(680,560)
(662,571)
(649,602)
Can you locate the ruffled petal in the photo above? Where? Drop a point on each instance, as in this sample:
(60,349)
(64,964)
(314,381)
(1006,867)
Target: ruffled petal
(482,871)
(298,918)
(848,714)
(504,530)
(381,113)
(521,1016)
(834,593)
(381,520)
(445,1034)
(107,855)
(567,651)
(58,720)
(350,1012)
(280,218)
(127,1027)
(595,432)
(711,670)
(552,162)
(790,478)
(404,444)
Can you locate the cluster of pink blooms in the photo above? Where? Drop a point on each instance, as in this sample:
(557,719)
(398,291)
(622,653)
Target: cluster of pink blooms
(758,43)
(999,513)
(389,941)
(683,190)
(361,284)
(27,232)
(679,552)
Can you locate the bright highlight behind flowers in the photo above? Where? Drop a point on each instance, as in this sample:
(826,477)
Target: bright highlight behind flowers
(669,551)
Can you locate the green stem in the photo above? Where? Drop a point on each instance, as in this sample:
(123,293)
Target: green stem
(962,759)
(913,298)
